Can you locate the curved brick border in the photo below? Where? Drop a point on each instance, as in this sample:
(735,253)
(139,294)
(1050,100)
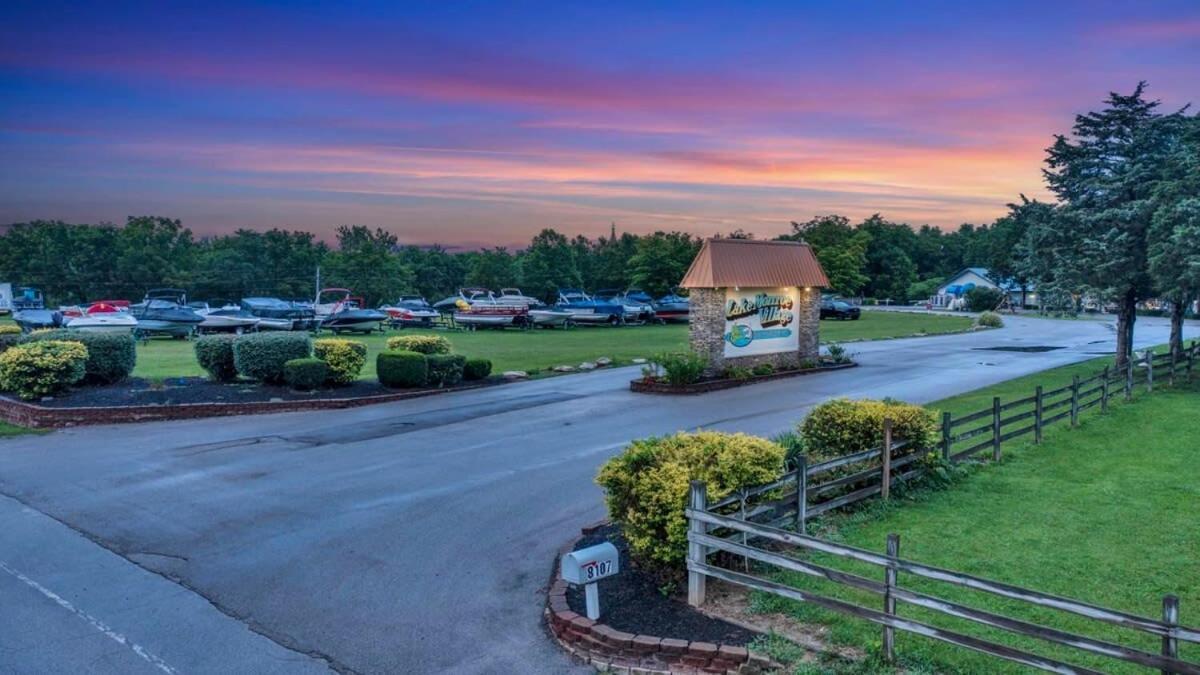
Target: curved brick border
(644,387)
(36,416)
(611,650)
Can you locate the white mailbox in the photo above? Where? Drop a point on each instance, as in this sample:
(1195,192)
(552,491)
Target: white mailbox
(587,566)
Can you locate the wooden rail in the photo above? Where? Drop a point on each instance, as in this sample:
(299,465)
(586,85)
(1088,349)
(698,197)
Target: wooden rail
(701,544)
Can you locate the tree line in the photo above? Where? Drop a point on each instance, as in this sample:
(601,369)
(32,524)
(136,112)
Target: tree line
(1125,228)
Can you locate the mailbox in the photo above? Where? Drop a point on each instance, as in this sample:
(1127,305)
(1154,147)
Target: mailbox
(587,566)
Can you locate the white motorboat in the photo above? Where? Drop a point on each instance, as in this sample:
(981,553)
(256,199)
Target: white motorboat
(478,308)
(225,318)
(540,314)
(411,311)
(102,317)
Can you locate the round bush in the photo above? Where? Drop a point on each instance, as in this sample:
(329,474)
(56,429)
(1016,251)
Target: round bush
(111,356)
(990,320)
(445,370)
(260,356)
(346,358)
(9,329)
(42,368)
(843,427)
(423,344)
(982,299)
(305,374)
(215,355)
(476,369)
(646,486)
(401,369)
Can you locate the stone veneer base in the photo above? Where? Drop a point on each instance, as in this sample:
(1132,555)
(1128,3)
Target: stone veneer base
(610,650)
(644,387)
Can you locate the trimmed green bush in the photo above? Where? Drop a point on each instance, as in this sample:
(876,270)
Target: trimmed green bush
(111,356)
(843,427)
(401,369)
(422,344)
(215,355)
(445,370)
(982,299)
(42,368)
(9,329)
(260,356)
(646,486)
(476,369)
(305,374)
(681,368)
(990,320)
(346,358)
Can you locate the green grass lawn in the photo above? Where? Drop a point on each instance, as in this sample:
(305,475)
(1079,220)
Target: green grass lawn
(1104,513)
(538,350)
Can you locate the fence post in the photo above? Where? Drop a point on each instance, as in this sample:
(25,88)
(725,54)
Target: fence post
(887,458)
(889,602)
(1170,645)
(946,437)
(1128,379)
(1037,415)
(801,493)
(1075,401)
(1191,358)
(1104,392)
(1171,375)
(995,428)
(1149,370)
(696,553)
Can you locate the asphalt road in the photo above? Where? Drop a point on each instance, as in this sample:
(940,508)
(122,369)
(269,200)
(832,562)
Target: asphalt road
(413,537)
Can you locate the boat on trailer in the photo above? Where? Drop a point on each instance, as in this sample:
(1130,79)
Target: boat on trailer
(636,310)
(346,314)
(540,314)
(164,311)
(276,314)
(224,317)
(410,311)
(586,310)
(104,316)
(672,307)
(479,308)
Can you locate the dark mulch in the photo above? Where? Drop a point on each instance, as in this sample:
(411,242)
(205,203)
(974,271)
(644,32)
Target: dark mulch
(177,390)
(631,602)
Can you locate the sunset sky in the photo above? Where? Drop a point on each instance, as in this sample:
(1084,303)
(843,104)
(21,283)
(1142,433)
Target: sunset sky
(478,124)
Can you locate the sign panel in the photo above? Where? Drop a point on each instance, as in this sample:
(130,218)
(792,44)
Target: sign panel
(760,321)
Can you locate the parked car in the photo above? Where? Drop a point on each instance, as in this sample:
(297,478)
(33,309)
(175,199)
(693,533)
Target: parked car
(839,309)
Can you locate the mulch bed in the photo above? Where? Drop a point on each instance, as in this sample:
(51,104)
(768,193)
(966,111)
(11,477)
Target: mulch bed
(631,601)
(645,386)
(179,390)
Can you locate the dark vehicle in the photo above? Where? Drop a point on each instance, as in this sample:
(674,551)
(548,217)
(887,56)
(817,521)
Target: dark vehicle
(838,309)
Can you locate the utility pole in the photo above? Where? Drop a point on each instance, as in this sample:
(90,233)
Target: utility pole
(317,292)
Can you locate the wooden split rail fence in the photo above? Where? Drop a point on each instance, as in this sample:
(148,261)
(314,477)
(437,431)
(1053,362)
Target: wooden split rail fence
(741,521)
(711,532)
(810,490)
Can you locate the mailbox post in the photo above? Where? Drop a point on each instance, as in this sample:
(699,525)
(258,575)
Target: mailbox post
(587,566)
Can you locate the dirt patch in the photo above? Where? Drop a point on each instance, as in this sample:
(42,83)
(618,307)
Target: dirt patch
(182,390)
(732,603)
(632,602)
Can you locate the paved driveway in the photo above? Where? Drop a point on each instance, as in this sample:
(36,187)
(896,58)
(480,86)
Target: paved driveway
(413,537)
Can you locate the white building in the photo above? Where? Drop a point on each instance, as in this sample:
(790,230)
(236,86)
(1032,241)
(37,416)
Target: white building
(951,294)
(5,299)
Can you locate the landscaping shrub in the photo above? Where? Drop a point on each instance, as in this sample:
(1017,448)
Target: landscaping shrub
(111,356)
(837,353)
(990,320)
(260,356)
(306,374)
(477,369)
(445,370)
(401,369)
(763,369)
(215,355)
(422,344)
(982,299)
(8,340)
(42,368)
(843,426)
(9,329)
(346,358)
(646,486)
(681,368)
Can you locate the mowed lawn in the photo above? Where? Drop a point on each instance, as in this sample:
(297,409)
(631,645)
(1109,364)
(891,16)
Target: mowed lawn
(1104,514)
(539,350)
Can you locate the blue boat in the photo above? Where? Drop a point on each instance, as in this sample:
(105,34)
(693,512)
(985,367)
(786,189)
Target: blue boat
(583,309)
(672,307)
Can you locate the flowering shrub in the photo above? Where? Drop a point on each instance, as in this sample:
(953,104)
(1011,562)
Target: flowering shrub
(646,486)
(345,358)
(9,329)
(422,344)
(42,368)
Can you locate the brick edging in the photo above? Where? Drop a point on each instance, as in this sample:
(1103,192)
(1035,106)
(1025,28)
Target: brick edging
(41,417)
(643,387)
(611,650)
